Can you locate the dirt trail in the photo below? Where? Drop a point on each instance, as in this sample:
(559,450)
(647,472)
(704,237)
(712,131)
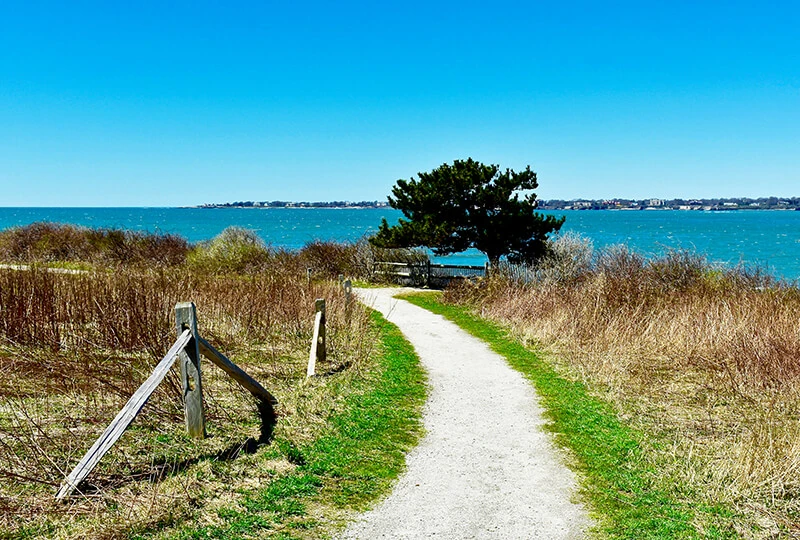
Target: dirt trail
(485,468)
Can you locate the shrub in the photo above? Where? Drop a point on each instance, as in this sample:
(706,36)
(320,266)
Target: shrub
(330,259)
(356,260)
(55,242)
(568,259)
(235,249)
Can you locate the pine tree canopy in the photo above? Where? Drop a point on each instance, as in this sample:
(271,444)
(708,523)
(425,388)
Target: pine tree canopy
(470,205)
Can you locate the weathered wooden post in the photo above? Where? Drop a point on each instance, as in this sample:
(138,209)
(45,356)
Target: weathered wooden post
(486,269)
(187,347)
(308,276)
(191,383)
(318,352)
(348,296)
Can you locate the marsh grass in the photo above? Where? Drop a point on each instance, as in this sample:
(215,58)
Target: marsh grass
(705,359)
(74,347)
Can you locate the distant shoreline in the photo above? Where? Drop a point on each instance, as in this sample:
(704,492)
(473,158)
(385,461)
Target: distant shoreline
(712,205)
(293,204)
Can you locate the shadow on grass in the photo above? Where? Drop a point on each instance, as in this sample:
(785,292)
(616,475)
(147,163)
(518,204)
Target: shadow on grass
(161,470)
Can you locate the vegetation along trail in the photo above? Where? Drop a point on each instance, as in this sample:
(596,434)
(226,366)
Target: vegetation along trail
(485,468)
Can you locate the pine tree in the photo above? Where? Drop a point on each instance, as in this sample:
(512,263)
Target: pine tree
(469,204)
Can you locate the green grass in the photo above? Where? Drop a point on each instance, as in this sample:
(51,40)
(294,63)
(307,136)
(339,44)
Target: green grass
(355,460)
(619,481)
(363,284)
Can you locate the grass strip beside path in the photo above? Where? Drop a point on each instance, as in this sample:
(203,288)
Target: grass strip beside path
(349,465)
(617,481)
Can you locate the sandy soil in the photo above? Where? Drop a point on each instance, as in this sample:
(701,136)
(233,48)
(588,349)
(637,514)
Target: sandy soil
(485,468)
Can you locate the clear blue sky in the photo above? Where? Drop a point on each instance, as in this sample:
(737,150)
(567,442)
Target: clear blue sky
(164,104)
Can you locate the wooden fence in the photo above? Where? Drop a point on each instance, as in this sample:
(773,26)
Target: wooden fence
(188,347)
(427,273)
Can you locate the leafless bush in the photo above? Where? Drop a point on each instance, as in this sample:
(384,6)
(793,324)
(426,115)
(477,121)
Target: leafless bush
(53,242)
(331,259)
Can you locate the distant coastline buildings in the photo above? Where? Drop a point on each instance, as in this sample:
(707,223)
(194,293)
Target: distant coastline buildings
(292,204)
(721,204)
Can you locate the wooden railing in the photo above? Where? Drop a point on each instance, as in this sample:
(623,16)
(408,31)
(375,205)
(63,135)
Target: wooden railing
(188,347)
(427,273)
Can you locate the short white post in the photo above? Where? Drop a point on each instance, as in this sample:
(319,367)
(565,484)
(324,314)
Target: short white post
(348,295)
(317,353)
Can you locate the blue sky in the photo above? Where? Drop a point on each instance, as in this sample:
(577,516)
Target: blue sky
(149,104)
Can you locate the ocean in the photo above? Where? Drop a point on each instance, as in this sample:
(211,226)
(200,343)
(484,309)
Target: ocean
(766,238)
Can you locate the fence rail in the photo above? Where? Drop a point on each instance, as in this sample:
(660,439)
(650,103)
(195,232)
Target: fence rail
(427,273)
(188,348)
(123,419)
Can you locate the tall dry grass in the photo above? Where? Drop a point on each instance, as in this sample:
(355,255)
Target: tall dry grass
(706,358)
(74,347)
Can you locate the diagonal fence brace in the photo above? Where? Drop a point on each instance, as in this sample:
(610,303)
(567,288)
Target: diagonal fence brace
(123,419)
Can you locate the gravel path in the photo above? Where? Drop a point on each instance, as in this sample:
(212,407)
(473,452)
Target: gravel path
(485,468)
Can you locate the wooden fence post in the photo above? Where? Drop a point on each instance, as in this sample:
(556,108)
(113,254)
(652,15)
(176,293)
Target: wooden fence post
(318,352)
(191,383)
(348,296)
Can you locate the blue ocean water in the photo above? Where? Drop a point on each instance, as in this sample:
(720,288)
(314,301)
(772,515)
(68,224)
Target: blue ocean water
(767,238)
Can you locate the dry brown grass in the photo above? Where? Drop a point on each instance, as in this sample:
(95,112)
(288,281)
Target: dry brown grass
(707,360)
(73,348)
